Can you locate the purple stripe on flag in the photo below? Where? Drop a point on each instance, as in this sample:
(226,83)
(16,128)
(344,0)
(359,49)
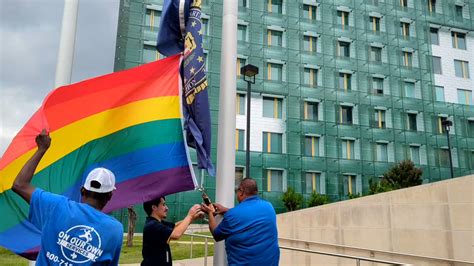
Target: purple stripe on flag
(138,189)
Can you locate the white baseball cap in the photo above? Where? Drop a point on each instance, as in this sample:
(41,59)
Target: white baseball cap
(104,177)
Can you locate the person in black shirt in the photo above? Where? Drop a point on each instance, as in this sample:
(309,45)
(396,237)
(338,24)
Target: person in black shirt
(157,233)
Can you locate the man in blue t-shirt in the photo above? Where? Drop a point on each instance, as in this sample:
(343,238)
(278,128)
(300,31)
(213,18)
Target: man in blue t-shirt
(249,230)
(72,233)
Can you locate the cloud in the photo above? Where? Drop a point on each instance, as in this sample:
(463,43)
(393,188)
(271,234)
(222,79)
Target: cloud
(29,33)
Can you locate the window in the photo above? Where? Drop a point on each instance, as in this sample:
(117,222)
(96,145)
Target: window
(443,154)
(458,10)
(309,12)
(343,18)
(382,153)
(345,81)
(275,6)
(407,59)
(411,121)
(274,71)
(375,23)
(470,128)
(405,29)
(434,37)
(272,142)
(272,107)
(150,54)
(350,185)
(459,40)
(472,159)
(415,154)
(375,54)
(347,149)
(464,97)
(409,89)
(242,3)
(432,6)
(403,3)
(239,175)
(275,180)
(379,118)
(343,49)
(436,61)
(311,111)
(242,33)
(310,43)
(311,146)
(310,77)
(313,182)
(240,104)
(441,129)
(377,85)
(345,115)
(461,68)
(205,26)
(240,63)
(239,140)
(275,37)
(152,19)
(439,93)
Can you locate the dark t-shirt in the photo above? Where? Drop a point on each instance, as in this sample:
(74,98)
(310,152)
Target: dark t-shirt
(156,250)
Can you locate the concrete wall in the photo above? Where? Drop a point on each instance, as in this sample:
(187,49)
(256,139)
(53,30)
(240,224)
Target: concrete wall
(434,220)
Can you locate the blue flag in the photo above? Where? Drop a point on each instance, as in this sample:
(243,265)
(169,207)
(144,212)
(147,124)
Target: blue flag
(195,97)
(172,26)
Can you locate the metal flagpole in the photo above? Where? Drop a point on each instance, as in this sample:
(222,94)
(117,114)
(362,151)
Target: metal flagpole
(66,43)
(66,49)
(226,133)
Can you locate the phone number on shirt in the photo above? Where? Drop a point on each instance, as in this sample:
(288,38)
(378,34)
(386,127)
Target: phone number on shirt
(56,259)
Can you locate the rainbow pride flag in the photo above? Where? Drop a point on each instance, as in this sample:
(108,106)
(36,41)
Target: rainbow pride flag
(129,122)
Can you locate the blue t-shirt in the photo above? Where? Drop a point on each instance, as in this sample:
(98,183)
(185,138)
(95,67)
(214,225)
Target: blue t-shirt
(250,233)
(74,233)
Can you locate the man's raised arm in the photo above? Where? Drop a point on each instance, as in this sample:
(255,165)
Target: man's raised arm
(22,184)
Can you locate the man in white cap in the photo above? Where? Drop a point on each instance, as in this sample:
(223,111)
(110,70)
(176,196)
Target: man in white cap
(72,233)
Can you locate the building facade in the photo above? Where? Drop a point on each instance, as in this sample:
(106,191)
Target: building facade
(345,89)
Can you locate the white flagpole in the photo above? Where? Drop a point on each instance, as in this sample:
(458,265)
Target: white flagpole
(226,135)
(66,49)
(66,43)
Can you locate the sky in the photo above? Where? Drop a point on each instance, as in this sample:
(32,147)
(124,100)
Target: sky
(29,41)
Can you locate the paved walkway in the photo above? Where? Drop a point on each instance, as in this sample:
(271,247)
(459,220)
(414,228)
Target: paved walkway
(188,262)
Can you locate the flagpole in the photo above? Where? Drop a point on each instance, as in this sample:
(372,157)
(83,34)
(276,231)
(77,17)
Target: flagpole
(226,131)
(66,49)
(66,43)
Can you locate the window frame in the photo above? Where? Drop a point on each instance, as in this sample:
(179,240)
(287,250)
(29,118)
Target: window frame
(436,61)
(315,113)
(267,139)
(349,119)
(434,41)
(277,107)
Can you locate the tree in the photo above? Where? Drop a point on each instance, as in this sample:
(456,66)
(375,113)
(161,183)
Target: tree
(402,175)
(132,219)
(291,199)
(317,199)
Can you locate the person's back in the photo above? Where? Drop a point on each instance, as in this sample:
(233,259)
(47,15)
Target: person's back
(254,236)
(71,233)
(74,232)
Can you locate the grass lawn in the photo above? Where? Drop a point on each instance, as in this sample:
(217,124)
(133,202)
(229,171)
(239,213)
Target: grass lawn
(179,251)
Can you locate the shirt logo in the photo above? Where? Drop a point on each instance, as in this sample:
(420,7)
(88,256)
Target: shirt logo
(80,244)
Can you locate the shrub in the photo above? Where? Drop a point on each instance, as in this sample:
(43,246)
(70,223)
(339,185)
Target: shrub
(292,200)
(317,199)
